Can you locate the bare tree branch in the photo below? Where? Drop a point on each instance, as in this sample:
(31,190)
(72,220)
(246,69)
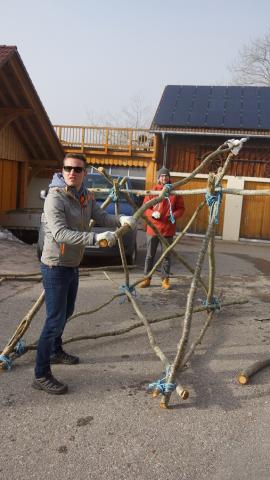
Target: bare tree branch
(137,114)
(252,67)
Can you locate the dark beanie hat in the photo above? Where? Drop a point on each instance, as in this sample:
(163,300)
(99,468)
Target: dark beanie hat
(163,171)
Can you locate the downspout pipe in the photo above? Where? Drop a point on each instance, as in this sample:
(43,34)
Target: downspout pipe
(165,147)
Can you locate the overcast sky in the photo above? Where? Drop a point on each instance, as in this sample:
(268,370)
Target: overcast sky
(88,59)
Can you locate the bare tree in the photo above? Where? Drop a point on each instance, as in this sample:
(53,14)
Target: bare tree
(137,114)
(252,67)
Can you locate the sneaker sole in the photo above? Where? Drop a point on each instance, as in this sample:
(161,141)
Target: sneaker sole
(61,362)
(37,386)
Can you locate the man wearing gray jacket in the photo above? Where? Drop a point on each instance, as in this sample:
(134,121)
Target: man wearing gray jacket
(68,209)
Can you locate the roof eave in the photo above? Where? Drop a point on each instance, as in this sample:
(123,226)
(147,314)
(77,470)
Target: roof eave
(38,108)
(223,133)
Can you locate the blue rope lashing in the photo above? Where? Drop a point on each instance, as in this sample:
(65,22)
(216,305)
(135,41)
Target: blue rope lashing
(20,347)
(172,219)
(169,187)
(214,305)
(113,195)
(211,200)
(6,361)
(127,288)
(162,386)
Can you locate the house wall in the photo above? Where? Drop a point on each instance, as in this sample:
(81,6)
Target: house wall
(13,174)
(35,186)
(8,185)
(11,148)
(185,153)
(244,217)
(240,217)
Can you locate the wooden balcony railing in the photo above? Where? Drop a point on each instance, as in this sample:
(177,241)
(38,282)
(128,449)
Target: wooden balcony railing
(106,140)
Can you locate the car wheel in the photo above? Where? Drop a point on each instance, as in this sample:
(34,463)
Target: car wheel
(132,258)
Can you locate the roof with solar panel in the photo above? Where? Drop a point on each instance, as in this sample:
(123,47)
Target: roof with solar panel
(220,109)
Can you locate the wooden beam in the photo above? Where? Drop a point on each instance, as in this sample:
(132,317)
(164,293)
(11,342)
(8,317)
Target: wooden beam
(8,114)
(151,172)
(44,163)
(20,130)
(39,146)
(22,184)
(39,110)
(18,111)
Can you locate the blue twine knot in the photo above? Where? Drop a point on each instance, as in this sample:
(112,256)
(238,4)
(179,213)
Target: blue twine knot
(161,385)
(214,305)
(211,200)
(113,195)
(6,361)
(168,187)
(127,288)
(20,347)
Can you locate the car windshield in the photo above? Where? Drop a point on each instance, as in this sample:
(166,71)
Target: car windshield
(98,181)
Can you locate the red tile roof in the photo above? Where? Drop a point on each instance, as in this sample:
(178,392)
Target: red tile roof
(5,53)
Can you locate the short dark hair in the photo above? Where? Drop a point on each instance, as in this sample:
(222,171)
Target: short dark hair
(78,156)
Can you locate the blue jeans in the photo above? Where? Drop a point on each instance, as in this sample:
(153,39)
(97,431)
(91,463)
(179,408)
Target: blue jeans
(61,286)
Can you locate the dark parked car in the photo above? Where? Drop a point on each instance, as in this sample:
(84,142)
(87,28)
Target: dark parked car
(95,180)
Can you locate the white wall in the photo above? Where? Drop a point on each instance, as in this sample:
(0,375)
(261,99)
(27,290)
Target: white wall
(34,188)
(233,203)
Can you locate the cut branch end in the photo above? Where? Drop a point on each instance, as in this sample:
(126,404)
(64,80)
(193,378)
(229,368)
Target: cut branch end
(242,379)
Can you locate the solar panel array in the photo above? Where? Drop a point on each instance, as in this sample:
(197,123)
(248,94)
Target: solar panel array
(216,107)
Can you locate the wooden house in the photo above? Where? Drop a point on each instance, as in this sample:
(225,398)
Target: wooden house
(29,146)
(192,121)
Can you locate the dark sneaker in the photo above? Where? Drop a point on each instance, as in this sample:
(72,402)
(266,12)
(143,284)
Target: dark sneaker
(50,385)
(66,358)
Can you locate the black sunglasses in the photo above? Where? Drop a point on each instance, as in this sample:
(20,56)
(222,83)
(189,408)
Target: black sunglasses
(68,168)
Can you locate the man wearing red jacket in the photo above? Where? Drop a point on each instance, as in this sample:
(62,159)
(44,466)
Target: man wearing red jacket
(163,215)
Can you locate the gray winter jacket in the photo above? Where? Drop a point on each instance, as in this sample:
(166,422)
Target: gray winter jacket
(66,226)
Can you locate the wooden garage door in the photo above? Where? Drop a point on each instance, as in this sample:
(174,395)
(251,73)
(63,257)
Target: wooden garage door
(8,184)
(191,202)
(255,213)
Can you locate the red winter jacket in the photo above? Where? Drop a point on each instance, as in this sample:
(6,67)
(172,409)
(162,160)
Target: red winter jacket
(164,225)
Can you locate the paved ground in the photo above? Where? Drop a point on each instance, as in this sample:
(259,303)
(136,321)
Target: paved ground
(108,426)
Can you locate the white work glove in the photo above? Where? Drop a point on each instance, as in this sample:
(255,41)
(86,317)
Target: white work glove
(236,144)
(130,221)
(156,214)
(109,237)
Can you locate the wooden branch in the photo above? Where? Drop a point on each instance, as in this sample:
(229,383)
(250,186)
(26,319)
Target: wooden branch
(209,238)
(183,193)
(94,310)
(120,238)
(149,332)
(134,325)
(165,243)
(23,326)
(245,376)
(197,341)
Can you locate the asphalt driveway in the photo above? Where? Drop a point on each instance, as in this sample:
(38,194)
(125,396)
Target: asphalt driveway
(108,426)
